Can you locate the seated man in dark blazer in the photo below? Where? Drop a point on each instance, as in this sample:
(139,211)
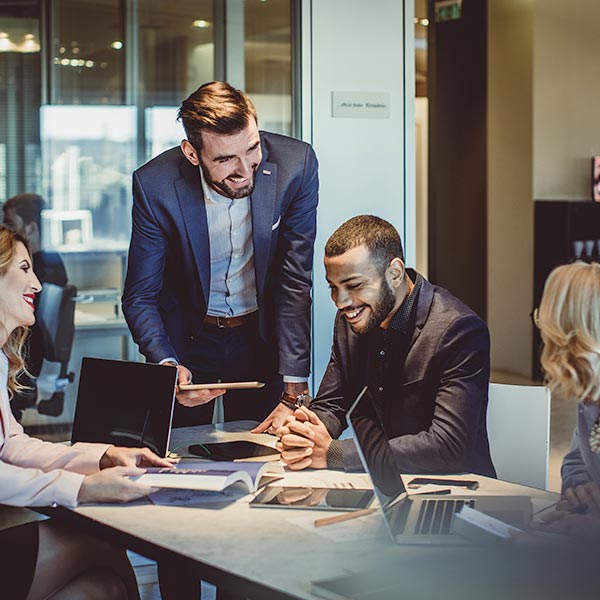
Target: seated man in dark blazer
(423,354)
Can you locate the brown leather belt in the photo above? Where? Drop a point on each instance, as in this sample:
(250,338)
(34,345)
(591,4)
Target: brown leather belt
(222,322)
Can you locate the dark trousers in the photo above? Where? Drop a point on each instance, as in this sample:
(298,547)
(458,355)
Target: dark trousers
(231,354)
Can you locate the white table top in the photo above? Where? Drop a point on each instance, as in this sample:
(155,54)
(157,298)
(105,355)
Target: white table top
(270,549)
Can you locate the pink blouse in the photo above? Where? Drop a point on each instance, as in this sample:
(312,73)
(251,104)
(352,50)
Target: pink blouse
(37,473)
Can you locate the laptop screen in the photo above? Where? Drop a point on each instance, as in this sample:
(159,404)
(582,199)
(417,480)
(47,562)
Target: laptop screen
(125,403)
(374,449)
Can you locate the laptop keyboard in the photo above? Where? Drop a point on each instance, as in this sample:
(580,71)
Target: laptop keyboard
(435,516)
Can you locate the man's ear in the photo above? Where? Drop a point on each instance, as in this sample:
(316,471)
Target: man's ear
(396,272)
(190,152)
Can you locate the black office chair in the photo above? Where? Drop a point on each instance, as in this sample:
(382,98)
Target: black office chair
(55,316)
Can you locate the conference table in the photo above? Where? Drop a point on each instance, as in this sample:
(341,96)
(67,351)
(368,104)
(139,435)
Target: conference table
(267,553)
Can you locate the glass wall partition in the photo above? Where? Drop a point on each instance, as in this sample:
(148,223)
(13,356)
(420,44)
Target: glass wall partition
(175,56)
(268,62)
(89,91)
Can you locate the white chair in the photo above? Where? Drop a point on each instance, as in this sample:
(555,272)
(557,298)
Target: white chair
(518,424)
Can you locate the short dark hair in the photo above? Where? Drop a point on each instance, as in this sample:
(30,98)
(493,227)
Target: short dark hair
(216,107)
(28,206)
(380,237)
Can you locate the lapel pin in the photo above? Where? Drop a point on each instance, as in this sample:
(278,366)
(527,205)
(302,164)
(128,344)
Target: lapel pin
(265,172)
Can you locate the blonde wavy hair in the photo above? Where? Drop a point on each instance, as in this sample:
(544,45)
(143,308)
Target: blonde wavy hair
(569,322)
(13,347)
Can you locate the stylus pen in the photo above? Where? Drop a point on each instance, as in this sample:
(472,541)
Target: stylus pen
(345,517)
(434,493)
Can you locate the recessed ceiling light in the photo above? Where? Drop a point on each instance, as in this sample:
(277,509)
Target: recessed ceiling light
(116,45)
(201,24)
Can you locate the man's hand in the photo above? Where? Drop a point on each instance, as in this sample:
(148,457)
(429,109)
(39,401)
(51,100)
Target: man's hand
(304,441)
(113,485)
(571,525)
(117,456)
(585,495)
(281,412)
(193,397)
(275,420)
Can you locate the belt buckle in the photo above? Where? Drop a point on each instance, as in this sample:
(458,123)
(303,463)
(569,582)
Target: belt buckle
(219,323)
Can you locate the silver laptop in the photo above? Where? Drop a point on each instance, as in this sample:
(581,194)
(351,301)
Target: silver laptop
(125,403)
(417,518)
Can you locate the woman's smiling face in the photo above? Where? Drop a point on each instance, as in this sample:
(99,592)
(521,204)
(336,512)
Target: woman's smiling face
(18,287)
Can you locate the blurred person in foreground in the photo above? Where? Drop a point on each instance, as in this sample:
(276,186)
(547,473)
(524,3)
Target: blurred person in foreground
(47,560)
(569,321)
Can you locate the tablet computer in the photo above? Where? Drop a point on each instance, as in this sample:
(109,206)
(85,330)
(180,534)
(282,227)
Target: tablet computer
(223,385)
(230,451)
(313,498)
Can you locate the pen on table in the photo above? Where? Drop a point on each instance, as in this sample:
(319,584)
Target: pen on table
(345,517)
(434,493)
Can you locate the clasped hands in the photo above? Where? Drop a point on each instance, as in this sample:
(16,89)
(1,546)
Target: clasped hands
(303,440)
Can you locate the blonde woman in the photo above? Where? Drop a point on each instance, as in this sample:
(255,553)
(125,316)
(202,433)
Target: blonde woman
(569,322)
(46,561)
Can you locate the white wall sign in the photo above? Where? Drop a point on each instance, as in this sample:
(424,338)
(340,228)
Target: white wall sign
(360,105)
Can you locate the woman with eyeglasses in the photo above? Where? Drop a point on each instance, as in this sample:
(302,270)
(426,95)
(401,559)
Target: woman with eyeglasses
(569,323)
(45,560)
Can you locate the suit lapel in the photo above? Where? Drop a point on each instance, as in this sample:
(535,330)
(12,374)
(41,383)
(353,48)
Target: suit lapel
(193,209)
(262,202)
(423,305)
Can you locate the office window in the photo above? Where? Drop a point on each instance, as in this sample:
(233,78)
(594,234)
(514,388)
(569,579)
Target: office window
(268,62)
(20,89)
(176,55)
(87,52)
(79,113)
(176,49)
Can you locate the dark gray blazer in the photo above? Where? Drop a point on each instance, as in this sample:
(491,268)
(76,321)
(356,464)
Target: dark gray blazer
(439,422)
(580,464)
(168,273)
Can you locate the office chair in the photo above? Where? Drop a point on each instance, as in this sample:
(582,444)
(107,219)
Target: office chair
(518,425)
(55,316)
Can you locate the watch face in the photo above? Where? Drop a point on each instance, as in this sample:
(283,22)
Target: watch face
(303,400)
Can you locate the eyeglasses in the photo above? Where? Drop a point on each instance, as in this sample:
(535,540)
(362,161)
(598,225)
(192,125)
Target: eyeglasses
(534,316)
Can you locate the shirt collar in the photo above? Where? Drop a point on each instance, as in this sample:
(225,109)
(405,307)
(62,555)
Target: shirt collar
(402,320)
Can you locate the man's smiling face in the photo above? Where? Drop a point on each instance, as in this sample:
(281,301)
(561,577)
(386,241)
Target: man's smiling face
(229,162)
(359,289)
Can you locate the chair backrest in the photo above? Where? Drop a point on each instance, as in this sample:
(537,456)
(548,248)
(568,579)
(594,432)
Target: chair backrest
(518,424)
(55,316)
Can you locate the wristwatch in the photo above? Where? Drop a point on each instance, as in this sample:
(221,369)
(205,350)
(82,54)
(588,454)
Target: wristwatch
(294,402)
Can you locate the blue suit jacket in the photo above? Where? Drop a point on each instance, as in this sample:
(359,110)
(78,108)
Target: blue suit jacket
(168,273)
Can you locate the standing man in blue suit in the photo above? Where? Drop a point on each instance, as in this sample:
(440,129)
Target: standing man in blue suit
(220,260)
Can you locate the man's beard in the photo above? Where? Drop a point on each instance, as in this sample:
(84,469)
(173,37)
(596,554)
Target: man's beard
(380,310)
(222,188)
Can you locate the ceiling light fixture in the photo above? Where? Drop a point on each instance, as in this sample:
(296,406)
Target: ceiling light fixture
(5,44)
(201,24)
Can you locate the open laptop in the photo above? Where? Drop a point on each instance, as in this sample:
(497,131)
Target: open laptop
(418,518)
(125,403)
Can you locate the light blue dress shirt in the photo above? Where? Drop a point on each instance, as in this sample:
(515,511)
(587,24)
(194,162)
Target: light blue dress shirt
(232,278)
